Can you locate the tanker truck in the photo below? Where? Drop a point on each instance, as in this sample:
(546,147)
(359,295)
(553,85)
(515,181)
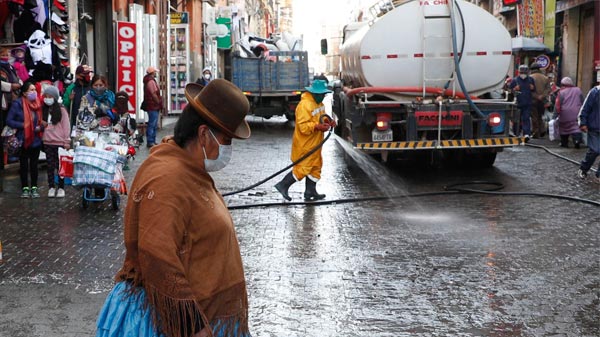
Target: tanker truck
(413,79)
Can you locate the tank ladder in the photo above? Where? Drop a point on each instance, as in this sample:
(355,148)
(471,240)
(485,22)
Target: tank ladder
(437,48)
(382,7)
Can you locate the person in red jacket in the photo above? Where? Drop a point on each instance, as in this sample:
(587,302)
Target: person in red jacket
(153,102)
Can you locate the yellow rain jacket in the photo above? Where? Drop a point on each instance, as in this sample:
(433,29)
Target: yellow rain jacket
(306,137)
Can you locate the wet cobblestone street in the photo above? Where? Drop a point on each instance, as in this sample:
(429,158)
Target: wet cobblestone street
(441,265)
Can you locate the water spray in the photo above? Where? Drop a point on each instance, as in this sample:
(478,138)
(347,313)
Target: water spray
(324,119)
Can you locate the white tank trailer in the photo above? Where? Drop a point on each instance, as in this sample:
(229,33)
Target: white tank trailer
(401,91)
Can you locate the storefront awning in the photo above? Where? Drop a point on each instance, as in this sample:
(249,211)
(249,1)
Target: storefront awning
(521,43)
(568,4)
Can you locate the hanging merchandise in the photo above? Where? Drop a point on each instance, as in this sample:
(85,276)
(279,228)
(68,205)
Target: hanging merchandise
(179,56)
(39,11)
(24,24)
(41,26)
(39,48)
(38,58)
(59,33)
(30,4)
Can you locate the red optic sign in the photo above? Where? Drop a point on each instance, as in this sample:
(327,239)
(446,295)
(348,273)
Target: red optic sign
(126,61)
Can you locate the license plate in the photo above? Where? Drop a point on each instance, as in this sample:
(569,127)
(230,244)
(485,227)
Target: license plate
(382,136)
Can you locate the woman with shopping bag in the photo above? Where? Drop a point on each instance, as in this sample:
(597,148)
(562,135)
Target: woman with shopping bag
(56,135)
(567,106)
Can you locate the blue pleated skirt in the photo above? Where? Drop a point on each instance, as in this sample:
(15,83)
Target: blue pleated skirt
(124,316)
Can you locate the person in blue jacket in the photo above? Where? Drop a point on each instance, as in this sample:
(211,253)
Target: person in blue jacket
(25,115)
(102,99)
(523,86)
(206,77)
(589,121)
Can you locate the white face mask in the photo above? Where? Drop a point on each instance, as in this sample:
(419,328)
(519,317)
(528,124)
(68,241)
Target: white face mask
(225,151)
(207,76)
(523,76)
(49,101)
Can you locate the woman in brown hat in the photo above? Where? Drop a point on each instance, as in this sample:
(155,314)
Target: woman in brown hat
(183,261)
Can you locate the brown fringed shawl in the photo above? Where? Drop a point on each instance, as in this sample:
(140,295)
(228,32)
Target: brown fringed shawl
(182,247)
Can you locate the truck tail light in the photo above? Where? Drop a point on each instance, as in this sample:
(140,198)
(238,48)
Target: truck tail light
(383,120)
(494,119)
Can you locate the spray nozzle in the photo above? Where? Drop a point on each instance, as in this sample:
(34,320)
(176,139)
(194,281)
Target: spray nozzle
(325,119)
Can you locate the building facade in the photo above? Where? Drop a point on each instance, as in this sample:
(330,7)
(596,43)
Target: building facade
(180,37)
(569,29)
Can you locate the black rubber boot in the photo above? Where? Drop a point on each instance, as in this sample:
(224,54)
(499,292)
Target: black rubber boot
(284,185)
(311,194)
(577,139)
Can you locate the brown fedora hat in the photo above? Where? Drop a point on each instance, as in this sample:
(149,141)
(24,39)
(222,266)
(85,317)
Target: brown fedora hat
(222,105)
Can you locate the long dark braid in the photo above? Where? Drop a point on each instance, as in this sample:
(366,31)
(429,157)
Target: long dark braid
(54,111)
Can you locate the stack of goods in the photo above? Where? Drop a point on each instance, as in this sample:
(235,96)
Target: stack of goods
(254,46)
(95,167)
(60,30)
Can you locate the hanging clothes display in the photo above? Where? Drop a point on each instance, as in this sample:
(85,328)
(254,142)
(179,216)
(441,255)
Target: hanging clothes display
(42,25)
(59,33)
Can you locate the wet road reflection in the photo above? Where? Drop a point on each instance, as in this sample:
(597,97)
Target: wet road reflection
(443,265)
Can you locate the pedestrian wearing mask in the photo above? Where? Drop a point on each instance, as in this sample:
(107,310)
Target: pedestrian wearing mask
(19,55)
(56,134)
(308,134)
(76,90)
(101,99)
(25,115)
(206,77)
(153,101)
(589,121)
(524,86)
(127,125)
(540,97)
(568,103)
(183,274)
(10,83)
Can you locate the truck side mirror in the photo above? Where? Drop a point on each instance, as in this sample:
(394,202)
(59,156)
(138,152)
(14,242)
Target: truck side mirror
(323,46)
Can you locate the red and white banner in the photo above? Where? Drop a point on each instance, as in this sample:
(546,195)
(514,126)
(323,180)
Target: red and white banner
(126,61)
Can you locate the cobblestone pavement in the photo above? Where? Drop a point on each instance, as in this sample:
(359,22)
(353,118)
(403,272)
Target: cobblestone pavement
(438,265)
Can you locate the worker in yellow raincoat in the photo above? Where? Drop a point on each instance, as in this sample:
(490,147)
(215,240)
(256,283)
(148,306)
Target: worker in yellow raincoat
(310,127)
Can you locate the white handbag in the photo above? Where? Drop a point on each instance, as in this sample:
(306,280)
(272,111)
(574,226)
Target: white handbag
(553,132)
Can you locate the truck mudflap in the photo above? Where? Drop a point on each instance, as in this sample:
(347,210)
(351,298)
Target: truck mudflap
(444,144)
